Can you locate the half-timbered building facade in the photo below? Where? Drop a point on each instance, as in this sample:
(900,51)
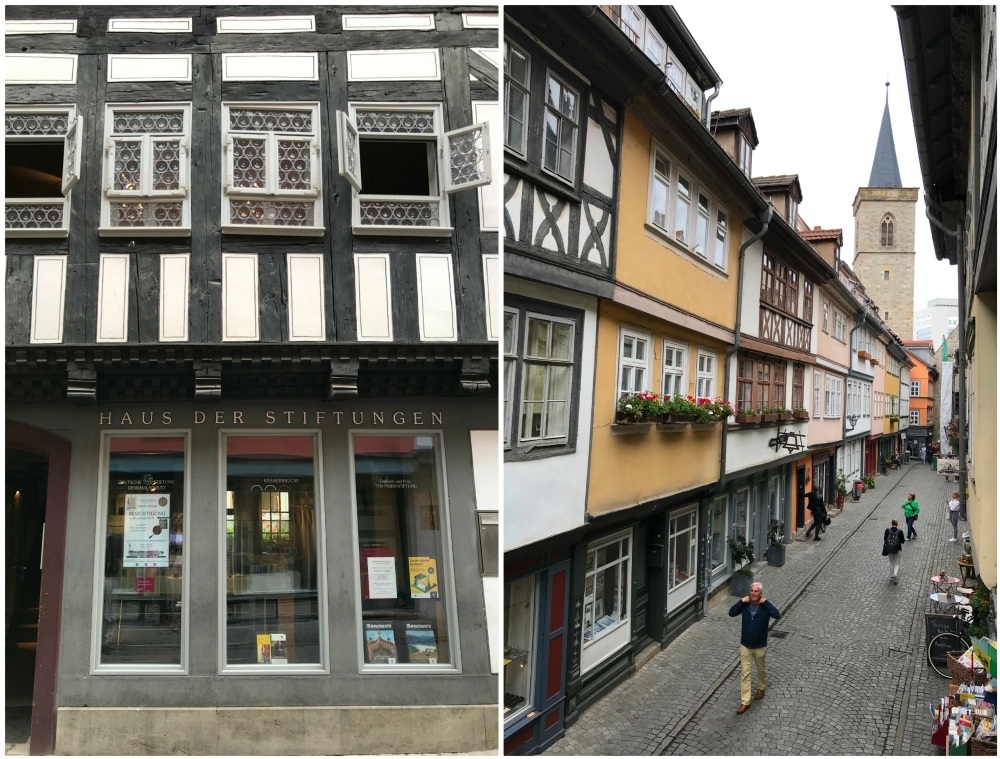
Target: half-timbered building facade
(251,367)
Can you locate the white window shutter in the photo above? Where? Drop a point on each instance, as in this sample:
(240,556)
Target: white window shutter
(71,160)
(467,157)
(348,150)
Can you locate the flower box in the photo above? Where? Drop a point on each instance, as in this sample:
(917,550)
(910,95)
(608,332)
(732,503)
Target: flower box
(865,355)
(786,417)
(800,414)
(671,427)
(771,417)
(702,426)
(747,418)
(634,428)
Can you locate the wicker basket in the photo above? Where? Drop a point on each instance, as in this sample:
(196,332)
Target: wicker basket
(962,674)
(978,747)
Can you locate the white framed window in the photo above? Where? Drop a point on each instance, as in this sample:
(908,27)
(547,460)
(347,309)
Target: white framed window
(914,388)
(516,89)
(44,145)
(272,175)
(741,515)
(655,48)
(547,379)
(745,154)
(147,165)
(509,366)
(561,124)
(721,238)
(682,556)
(866,400)
(633,362)
(682,208)
(632,22)
(914,417)
(839,326)
(606,599)
(693,95)
(402,165)
(659,196)
(833,396)
(719,531)
(706,374)
(674,368)
(702,221)
(676,74)
(826,316)
(817,389)
(520,612)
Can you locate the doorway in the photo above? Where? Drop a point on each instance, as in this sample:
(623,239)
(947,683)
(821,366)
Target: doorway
(26,484)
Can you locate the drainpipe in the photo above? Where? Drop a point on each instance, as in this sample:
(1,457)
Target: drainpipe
(860,324)
(957,235)
(765,219)
(708,104)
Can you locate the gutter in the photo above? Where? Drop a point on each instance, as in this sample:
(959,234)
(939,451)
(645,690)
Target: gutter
(957,234)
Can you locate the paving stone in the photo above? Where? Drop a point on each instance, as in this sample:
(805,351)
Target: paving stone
(851,677)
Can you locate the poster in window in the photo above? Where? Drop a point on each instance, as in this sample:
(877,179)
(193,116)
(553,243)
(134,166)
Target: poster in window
(381,577)
(380,643)
(264,648)
(279,648)
(421,645)
(423,577)
(147,530)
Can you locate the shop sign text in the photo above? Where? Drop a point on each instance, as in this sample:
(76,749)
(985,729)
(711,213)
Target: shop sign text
(272,418)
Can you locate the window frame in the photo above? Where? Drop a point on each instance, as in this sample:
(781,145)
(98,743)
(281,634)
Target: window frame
(548,362)
(839,326)
(439,141)
(72,142)
(525,89)
(705,376)
(914,416)
(798,386)
(675,370)
(560,115)
(510,369)
(271,137)
(817,410)
(618,635)
(324,664)
(633,363)
(826,316)
(887,231)
(146,195)
(914,388)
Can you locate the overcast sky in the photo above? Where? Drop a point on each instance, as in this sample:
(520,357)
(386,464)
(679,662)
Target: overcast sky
(814,76)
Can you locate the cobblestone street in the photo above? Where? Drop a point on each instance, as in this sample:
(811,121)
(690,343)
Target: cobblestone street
(846,663)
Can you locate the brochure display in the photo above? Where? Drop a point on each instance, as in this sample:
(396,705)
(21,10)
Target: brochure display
(423,577)
(380,643)
(147,530)
(421,645)
(272,648)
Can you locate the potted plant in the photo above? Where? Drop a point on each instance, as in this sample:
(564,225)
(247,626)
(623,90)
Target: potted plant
(784,414)
(869,482)
(841,485)
(770,414)
(747,416)
(637,408)
(775,543)
(980,603)
(800,413)
(683,408)
(743,557)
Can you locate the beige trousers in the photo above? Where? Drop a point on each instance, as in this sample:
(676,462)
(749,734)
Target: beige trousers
(750,656)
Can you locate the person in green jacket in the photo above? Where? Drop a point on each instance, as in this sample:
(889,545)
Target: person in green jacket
(910,510)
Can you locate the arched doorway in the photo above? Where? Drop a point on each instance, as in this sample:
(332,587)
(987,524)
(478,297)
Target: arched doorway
(36,495)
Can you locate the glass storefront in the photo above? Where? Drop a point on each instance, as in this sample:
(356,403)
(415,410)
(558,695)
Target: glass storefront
(520,609)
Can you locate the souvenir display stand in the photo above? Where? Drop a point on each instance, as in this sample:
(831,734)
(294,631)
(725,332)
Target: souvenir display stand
(965,723)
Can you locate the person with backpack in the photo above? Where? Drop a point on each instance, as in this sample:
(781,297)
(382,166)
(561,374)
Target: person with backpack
(910,511)
(892,546)
(818,510)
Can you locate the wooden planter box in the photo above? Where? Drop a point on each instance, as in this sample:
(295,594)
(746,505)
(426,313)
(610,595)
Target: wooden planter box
(865,355)
(800,414)
(770,417)
(748,418)
(635,428)
(701,426)
(671,426)
(786,417)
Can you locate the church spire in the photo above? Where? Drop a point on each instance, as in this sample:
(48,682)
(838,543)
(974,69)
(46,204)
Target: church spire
(885,170)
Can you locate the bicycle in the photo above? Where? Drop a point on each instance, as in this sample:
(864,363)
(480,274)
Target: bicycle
(954,642)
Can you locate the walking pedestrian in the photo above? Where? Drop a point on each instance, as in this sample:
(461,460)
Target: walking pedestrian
(910,511)
(953,506)
(757,612)
(892,546)
(925,454)
(814,502)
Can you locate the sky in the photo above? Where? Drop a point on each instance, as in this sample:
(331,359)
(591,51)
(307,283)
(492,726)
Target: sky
(814,77)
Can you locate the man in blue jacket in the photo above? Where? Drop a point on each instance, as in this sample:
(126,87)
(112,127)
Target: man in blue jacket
(757,612)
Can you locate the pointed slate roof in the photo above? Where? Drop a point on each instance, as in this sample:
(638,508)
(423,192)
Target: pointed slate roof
(885,169)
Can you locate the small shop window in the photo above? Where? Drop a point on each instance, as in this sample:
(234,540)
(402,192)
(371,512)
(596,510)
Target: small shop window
(142,593)
(406,597)
(274,617)
(519,614)
(606,599)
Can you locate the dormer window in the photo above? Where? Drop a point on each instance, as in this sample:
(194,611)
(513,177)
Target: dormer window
(793,211)
(744,154)
(888,224)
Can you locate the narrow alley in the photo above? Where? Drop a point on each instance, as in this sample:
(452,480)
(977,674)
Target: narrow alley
(846,663)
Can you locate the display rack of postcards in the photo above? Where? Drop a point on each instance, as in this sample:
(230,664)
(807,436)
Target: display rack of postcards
(965,723)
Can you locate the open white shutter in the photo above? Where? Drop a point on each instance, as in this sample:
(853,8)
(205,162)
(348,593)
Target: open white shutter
(348,150)
(467,157)
(71,157)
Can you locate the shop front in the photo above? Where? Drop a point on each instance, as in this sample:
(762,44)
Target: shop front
(259,577)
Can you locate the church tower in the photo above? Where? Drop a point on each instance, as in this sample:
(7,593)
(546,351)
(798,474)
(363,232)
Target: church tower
(884,219)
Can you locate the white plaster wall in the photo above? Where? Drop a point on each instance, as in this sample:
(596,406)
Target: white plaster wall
(561,222)
(548,496)
(513,206)
(750,309)
(598,171)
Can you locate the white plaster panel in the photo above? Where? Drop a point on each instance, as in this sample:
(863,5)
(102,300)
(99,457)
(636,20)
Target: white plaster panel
(598,168)
(393,65)
(513,205)
(492,54)
(489,195)
(436,297)
(564,507)
(373,298)
(175,287)
(150,25)
(593,255)
(149,68)
(562,223)
(264,24)
(39,68)
(112,299)
(240,318)
(381,21)
(610,113)
(48,299)
(37,26)
(491,284)
(750,311)
(306,309)
(486,468)
(481,20)
(269,67)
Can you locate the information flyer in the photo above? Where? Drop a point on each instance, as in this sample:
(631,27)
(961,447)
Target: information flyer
(147,530)
(381,577)
(423,577)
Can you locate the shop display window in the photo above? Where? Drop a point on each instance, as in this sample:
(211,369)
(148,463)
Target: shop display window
(683,548)
(720,523)
(403,553)
(142,554)
(605,595)
(518,646)
(272,561)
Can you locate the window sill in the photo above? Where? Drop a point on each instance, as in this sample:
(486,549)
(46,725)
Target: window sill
(374,229)
(144,231)
(263,229)
(36,233)
(675,245)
